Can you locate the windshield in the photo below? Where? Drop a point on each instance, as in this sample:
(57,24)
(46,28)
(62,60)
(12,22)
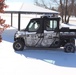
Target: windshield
(34,25)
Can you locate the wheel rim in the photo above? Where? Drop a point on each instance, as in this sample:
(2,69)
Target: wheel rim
(70,48)
(18,46)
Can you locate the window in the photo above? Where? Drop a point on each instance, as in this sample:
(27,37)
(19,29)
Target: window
(51,24)
(34,26)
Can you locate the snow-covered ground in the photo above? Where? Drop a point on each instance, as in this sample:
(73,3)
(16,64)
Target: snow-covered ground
(34,61)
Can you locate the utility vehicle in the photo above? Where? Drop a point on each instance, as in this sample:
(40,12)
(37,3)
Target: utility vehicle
(45,32)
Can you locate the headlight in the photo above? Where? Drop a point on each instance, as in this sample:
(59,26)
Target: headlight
(19,33)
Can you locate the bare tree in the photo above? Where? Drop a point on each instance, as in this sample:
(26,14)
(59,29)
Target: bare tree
(74,11)
(3,26)
(65,7)
(43,3)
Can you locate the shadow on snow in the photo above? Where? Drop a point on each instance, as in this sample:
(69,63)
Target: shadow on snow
(8,35)
(54,56)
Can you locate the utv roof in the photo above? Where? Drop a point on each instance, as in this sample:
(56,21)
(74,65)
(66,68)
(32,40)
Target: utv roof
(47,17)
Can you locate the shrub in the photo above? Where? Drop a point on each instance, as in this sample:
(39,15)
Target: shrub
(3,26)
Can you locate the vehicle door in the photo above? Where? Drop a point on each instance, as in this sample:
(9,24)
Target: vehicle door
(50,25)
(32,33)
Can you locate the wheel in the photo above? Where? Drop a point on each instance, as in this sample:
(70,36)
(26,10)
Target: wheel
(18,45)
(69,48)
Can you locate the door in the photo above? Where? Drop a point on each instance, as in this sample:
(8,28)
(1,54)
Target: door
(32,36)
(49,32)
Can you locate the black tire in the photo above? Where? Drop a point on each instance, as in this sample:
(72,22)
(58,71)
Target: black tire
(69,48)
(18,45)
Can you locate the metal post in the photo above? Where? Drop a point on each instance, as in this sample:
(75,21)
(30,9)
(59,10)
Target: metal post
(19,21)
(11,19)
